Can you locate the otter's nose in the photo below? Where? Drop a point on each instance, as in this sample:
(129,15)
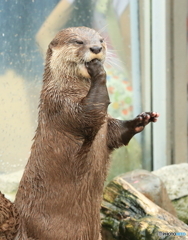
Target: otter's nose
(95,49)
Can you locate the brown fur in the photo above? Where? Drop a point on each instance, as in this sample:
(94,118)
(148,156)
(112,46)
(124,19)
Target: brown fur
(9,219)
(60,192)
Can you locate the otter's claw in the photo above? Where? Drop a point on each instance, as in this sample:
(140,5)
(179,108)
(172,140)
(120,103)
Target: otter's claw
(143,119)
(137,124)
(95,68)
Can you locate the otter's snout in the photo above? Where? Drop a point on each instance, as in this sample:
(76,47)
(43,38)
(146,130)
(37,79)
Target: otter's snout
(95,49)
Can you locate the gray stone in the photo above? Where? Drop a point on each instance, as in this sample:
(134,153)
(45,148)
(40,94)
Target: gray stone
(181,206)
(175,178)
(151,186)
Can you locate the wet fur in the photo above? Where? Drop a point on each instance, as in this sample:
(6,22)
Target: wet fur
(9,219)
(60,193)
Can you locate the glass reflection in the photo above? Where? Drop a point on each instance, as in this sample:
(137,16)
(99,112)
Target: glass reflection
(27,28)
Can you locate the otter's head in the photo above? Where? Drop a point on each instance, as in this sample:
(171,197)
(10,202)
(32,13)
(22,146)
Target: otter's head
(72,48)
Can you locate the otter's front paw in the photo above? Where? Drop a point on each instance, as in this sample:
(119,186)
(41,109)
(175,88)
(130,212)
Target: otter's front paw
(137,124)
(95,69)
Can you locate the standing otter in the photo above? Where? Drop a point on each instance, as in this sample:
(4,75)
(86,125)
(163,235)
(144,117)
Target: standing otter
(60,193)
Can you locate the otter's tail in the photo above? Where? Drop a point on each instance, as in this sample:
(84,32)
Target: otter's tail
(9,219)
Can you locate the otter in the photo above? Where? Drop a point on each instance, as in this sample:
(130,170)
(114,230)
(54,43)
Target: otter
(60,193)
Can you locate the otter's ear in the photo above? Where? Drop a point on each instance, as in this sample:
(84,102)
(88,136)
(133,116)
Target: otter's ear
(53,43)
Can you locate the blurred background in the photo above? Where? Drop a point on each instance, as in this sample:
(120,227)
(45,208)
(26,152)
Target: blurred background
(147,69)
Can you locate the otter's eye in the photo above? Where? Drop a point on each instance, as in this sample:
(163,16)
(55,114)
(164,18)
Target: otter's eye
(79,42)
(101,40)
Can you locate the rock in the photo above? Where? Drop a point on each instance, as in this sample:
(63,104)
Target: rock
(151,186)
(175,178)
(9,184)
(181,206)
(128,214)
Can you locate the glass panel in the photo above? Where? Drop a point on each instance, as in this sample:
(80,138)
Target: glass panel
(27,27)
(20,83)
(169,81)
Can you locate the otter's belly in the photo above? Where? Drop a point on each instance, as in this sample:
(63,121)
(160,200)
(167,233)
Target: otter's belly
(69,204)
(99,155)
